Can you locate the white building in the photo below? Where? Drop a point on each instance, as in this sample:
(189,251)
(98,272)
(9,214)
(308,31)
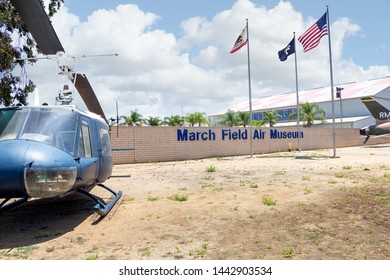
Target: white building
(349,111)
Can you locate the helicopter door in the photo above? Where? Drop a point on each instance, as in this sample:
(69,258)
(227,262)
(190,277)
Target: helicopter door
(89,163)
(105,168)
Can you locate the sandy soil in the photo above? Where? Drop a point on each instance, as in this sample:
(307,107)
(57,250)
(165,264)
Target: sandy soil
(324,208)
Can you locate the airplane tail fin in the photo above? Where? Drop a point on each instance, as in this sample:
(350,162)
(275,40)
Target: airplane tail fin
(378,111)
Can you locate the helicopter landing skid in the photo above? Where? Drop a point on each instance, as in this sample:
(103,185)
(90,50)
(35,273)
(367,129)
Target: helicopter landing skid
(5,207)
(101,207)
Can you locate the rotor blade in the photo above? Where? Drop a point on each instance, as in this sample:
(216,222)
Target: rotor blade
(39,25)
(88,95)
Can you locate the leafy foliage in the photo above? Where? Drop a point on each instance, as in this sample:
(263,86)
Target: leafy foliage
(16,43)
(174,121)
(229,119)
(270,117)
(153,121)
(135,119)
(197,118)
(309,112)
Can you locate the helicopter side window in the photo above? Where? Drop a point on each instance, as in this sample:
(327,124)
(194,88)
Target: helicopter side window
(11,120)
(105,142)
(84,143)
(65,141)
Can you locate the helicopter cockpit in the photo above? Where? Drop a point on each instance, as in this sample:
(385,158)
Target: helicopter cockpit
(51,125)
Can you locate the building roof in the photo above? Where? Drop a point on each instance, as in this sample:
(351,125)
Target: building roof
(326,121)
(316,95)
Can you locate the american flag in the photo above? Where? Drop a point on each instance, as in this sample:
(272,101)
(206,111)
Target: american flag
(311,38)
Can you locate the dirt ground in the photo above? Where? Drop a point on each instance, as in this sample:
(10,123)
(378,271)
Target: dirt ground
(264,207)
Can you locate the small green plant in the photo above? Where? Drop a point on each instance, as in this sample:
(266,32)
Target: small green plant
(254,186)
(382,199)
(129,199)
(307,190)
(287,253)
(178,254)
(347,167)
(204,186)
(203,249)
(259,256)
(80,240)
(314,238)
(269,201)
(374,180)
(211,168)
(177,197)
(282,172)
(152,198)
(146,253)
(93,257)
(339,175)
(305,178)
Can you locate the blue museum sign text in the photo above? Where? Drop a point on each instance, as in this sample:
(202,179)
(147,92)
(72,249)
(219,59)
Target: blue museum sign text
(183,134)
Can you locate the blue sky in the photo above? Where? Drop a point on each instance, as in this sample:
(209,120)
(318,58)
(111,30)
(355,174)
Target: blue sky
(370,46)
(174,55)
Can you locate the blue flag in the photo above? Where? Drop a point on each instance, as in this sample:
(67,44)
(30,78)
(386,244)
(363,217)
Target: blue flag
(289,49)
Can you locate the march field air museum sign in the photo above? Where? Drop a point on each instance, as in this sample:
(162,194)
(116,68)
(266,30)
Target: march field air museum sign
(228,134)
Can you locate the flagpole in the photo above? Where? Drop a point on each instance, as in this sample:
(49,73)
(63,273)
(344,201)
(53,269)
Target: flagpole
(250,90)
(331,83)
(296,89)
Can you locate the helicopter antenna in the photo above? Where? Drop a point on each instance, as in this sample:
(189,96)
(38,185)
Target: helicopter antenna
(117,120)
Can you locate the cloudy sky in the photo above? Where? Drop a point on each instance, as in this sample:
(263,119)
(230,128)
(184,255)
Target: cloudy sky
(174,55)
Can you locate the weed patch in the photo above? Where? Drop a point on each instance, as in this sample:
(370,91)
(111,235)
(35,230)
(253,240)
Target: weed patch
(268,201)
(211,168)
(177,197)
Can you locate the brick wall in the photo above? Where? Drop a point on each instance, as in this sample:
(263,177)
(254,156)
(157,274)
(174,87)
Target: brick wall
(154,144)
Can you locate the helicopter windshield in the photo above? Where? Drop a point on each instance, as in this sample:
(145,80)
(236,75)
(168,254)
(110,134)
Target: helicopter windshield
(53,126)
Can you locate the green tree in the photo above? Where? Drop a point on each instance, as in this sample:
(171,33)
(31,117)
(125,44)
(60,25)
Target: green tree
(174,121)
(153,121)
(270,117)
(308,113)
(191,119)
(197,118)
(13,88)
(229,119)
(135,119)
(201,118)
(243,118)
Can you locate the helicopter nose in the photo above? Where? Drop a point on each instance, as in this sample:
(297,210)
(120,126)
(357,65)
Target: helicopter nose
(48,171)
(34,169)
(12,153)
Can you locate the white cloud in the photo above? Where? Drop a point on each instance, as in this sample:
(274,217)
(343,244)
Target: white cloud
(160,74)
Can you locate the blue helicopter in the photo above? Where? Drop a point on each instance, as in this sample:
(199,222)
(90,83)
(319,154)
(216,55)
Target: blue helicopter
(54,150)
